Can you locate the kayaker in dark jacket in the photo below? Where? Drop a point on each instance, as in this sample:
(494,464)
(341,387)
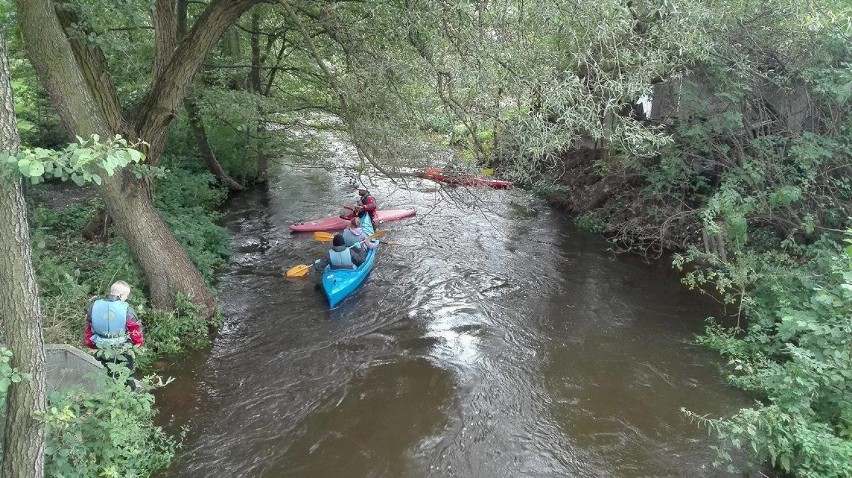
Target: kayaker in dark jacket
(341,257)
(367,204)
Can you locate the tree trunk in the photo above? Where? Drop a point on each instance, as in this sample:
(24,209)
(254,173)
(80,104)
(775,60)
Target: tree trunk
(196,122)
(167,268)
(254,81)
(157,109)
(165,33)
(20,311)
(207,154)
(79,85)
(254,73)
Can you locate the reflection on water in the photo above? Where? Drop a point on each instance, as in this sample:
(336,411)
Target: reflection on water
(498,341)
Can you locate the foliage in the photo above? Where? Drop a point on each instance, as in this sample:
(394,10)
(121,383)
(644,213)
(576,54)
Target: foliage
(796,358)
(590,223)
(172,333)
(106,433)
(71,270)
(189,203)
(8,375)
(81,162)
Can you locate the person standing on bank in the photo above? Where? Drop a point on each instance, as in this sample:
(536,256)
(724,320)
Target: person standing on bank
(112,326)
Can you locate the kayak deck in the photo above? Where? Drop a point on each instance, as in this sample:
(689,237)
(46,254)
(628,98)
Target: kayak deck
(336,223)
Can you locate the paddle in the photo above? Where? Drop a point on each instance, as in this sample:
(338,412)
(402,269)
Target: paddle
(298,271)
(328,237)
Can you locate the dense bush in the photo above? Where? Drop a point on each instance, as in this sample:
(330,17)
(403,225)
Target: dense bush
(107,433)
(189,204)
(795,357)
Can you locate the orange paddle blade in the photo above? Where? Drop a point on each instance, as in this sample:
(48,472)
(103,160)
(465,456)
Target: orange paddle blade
(323,236)
(299,271)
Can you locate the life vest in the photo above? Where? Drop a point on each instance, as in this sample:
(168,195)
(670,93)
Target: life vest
(350,238)
(109,322)
(341,260)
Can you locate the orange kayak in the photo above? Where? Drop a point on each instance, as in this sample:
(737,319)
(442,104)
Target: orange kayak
(436,174)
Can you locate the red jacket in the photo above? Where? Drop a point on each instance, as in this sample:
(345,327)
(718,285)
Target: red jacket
(368,204)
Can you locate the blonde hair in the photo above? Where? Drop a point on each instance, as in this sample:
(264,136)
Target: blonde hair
(120,289)
(355,222)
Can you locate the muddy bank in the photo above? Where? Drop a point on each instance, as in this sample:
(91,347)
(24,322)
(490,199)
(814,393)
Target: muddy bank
(615,204)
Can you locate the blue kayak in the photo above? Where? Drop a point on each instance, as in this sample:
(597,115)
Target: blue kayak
(339,283)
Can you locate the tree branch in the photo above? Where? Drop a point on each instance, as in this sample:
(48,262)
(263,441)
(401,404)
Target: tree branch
(338,90)
(157,110)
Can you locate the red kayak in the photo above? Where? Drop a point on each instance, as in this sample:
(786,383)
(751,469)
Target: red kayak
(336,223)
(461,180)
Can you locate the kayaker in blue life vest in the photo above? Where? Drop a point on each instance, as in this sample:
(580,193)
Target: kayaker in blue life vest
(112,327)
(367,204)
(340,256)
(355,236)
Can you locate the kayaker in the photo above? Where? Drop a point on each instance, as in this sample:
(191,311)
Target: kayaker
(340,256)
(355,236)
(367,204)
(112,327)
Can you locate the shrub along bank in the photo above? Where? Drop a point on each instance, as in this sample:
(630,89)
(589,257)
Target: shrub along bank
(111,432)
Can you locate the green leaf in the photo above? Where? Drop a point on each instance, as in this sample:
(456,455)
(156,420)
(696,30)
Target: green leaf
(24,166)
(36,169)
(78,179)
(136,156)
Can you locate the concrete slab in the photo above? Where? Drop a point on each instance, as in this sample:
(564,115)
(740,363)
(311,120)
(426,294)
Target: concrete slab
(67,366)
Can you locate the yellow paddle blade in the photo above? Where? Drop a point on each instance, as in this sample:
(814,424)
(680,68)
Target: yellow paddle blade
(323,236)
(377,235)
(299,271)
(488,172)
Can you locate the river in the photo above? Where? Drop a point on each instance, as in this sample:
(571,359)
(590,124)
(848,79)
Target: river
(497,341)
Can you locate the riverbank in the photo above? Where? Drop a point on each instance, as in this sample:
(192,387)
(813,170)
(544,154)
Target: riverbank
(74,262)
(771,249)
(613,200)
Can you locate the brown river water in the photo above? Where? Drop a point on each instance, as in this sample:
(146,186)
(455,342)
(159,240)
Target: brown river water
(498,341)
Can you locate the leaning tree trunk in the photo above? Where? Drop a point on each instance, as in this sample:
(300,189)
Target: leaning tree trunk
(20,311)
(77,79)
(255,85)
(196,123)
(167,268)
